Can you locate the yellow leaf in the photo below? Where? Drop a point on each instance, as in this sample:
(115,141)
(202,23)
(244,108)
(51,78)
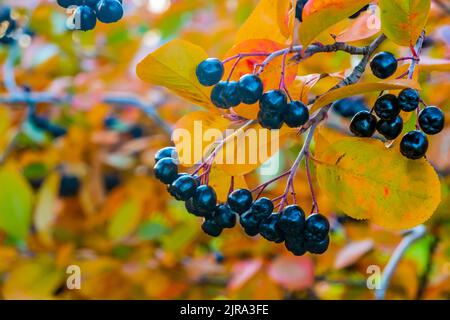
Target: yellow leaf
(221,180)
(319,15)
(429,64)
(363,87)
(368,181)
(173,66)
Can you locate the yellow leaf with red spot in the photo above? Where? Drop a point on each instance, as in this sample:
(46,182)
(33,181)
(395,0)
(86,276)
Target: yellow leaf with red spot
(366,180)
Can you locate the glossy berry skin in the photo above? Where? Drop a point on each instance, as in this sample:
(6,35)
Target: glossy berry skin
(299,9)
(166,170)
(408,100)
(270,120)
(240,200)
(296,115)
(262,208)
(383,65)
(210,227)
(414,145)
(386,107)
(363,124)
(209,71)
(216,95)
(295,245)
(318,247)
(390,129)
(66,3)
(167,152)
(292,221)
(250,223)
(205,199)
(250,88)
(69,186)
(225,95)
(183,187)
(269,229)
(190,207)
(109,11)
(93,3)
(316,227)
(84,18)
(431,120)
(224,217)
(273,101)
(348,107)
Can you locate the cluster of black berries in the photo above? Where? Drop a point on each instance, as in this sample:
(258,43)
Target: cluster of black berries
(256,217)
(414,144)
(7,25)
(88,11)
(274,108)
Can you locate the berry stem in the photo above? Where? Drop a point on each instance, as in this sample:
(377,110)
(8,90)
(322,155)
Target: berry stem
(233,68)
(283,72)
(243,55)
(264,185)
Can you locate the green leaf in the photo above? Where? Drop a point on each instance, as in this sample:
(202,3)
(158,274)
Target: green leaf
(125,219)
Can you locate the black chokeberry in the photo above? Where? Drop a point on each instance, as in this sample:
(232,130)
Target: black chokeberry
(109,11)
(273,101)
(299,9)
(205,199)
(224,216)
(295,245)
(414,145)
(408,100)
(216,95)
(250,88)
(270,120)
(225,95)
(93,3)
(190,207)
(240,200)
(250,223)
(363,124)
(166,170)
(431,120)
(387,107)
(318,247)
(66,3)
(316,227)
(262,208)
(348,107)
(69,186)
(390,129)
(383,65)
(209,71)
(270,230)
(167,152)
(84,18)
(292,221)
(296,115)
(183,187)
(211,228)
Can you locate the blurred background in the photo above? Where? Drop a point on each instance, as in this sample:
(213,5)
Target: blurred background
(78,133)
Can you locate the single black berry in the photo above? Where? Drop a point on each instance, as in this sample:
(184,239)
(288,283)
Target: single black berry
(166,170)
(363,124)
(414,145)
(93,3)
(348,107)
(209,71)
(408,100)
(270,120)
(190,207)
(296,115)
(250,223)
(66,3)
(183,187)
(205,199)
(211,228)
(292,221)
(69,186)
(250,88)
(270,230)
(225,95)
(383,65)
(318,247)
(299,9)
(316,227)
(295,245)
(217,95)
(262,208)
(109,11)
(273,101)
(431,120)
(167,152)
(386,107)
(224,217)
(240,200)
(84,18)
(390,129)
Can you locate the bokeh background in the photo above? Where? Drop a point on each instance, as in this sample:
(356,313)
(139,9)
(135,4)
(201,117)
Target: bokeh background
(87,197)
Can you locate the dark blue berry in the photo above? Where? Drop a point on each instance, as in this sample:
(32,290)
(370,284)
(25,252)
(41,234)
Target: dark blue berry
(273,101)
(66,3)
(270,120)
(190,207)
(348,107)
(224,217)
(219,257)
(383,65)
(225,95)
(316,227)
(299,9)
(109,11)
(84,18)
(390,129)
(250,88)
(296,114)
(414,145)
(211,228)
(166,170)
(270,230)
(92,3)
(363,124)
(167,152)
(431,120)
(250,223)
(295,245)
(69,186)
(217,95)
(209,71)
(386,107)
(183,187)
(262,208)
(318,247)
(240,200)
(205,199)
(408,100)
(292,221)
(111,181)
